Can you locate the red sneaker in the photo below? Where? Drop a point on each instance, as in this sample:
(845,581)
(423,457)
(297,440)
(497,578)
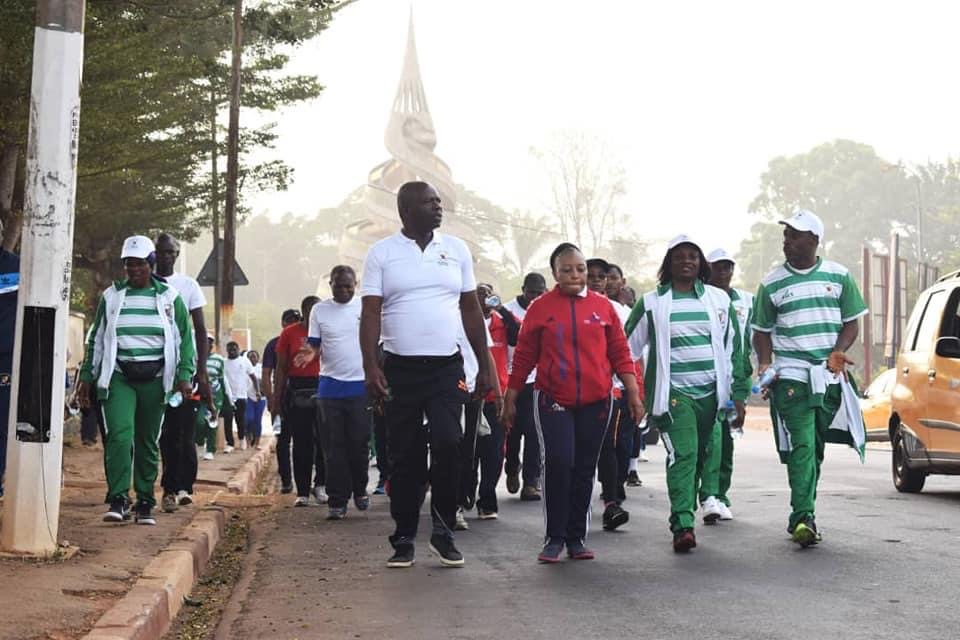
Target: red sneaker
(684,540)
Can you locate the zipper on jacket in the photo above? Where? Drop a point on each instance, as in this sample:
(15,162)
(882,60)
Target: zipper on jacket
(576,353)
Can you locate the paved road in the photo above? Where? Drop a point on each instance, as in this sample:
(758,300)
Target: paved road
(887,569)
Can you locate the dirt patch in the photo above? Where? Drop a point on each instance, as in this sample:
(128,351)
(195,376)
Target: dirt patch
(204,606)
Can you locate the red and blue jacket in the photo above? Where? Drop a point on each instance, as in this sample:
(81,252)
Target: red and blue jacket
(577,343)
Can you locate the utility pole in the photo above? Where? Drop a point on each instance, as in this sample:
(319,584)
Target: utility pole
(867,332)
(215,206)
(233,166)
(35,436)
(892,341)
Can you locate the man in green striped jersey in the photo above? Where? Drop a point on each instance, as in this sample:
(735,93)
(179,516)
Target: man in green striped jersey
(140,351)
(805,313)
(693,369)
(720,463)
(219,392)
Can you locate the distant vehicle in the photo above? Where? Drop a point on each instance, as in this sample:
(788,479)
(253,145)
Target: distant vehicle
(875,405)
(925,404)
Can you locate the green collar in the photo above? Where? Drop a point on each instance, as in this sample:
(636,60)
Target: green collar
(156,284)
(697,287)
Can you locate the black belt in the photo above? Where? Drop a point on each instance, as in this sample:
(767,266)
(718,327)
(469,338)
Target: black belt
(431,360)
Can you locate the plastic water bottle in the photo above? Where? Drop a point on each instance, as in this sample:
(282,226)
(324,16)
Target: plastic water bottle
(493,301)
(730,414)
(175,399)
(765,380)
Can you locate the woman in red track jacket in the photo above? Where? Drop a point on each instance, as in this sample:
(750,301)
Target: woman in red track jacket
(574,338)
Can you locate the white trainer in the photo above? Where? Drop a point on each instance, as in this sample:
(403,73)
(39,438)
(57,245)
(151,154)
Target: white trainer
(243,444)
(184,498)
(725,513)
(301,501)
(711,510)
(228,449)
(319,494)
(208,456)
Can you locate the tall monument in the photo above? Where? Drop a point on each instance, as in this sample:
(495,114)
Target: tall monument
(410,138)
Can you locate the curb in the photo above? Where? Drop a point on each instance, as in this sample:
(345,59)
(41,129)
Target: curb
(149,608)
(246,478)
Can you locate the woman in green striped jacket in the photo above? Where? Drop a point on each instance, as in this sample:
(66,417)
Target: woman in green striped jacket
(694,368)
(140,352)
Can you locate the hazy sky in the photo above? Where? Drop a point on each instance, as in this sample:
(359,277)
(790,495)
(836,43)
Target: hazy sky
(695,97)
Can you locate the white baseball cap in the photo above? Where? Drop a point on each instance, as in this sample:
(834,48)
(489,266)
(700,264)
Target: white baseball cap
(137,247)
(683,239)
(805,220)
(719,254)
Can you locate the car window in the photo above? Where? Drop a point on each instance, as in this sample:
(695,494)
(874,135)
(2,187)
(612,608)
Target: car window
(930,322)
(951,316)
(910,335)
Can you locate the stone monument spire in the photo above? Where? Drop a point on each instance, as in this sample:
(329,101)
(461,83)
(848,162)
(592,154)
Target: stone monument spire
(410,138)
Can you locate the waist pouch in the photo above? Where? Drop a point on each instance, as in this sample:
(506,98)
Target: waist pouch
(301,398)
(141,371)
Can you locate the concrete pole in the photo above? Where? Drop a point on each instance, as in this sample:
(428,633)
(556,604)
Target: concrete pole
(867,332)
(32,505)
(233,170)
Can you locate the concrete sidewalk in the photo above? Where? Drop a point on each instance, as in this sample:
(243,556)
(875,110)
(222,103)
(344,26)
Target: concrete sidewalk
(61,599)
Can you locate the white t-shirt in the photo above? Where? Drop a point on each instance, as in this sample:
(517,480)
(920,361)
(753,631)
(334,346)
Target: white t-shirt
(258,374)
(421,292)
(518,312)
(623,312)
(237,372)
(188,289)
(470,365)
(338,327)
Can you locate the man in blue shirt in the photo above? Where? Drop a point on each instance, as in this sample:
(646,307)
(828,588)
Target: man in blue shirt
(344,426)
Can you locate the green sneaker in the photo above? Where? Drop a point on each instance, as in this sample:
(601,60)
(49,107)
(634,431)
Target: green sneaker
(805,533)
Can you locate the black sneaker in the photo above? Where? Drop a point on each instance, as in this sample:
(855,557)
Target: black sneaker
(805,533)
(119,510)
(144,513)
(684,540)
(633,480)
(614,516)
(402,557)
(286,487)
(444,547)
(550,554)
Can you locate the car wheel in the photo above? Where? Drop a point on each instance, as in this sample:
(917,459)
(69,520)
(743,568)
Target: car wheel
(905,479)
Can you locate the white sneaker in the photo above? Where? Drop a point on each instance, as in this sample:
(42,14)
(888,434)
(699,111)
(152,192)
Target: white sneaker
(461,523)
(643,457)
(276,426)
(711,510)
(725,513)
(301,501)
(208,456)
(243,444)
(320,494)
(228,449)
(184,498)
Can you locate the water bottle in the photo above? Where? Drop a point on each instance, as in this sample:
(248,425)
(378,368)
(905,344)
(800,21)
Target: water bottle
(730,415)
(492,301)
(765,380)
(175,399)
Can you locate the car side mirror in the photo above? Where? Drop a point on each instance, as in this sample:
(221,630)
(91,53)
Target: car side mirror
(948,347)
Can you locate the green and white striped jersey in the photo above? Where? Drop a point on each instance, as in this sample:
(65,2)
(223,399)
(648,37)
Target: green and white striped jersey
(692,371)
(140,327)
(216,365)
(804,312)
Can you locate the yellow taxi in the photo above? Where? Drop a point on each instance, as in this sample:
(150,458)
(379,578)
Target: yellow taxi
(875,405)
(925,404)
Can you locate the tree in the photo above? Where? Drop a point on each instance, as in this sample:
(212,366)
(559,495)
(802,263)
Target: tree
(153,86)
(586,186)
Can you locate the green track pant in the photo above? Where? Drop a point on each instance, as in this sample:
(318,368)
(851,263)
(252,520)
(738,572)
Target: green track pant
(718,468)
(688,441)
(807,426)
(133,413)
(205,435)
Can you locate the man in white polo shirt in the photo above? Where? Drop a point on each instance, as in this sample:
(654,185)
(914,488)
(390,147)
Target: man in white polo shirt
(344,424)
(177,449)
(417,287)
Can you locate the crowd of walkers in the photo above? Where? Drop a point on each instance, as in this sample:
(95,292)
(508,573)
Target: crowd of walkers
(453,388)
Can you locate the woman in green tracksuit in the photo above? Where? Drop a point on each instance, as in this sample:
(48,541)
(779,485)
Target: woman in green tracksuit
(140,352)
(219,397)
(693,369)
